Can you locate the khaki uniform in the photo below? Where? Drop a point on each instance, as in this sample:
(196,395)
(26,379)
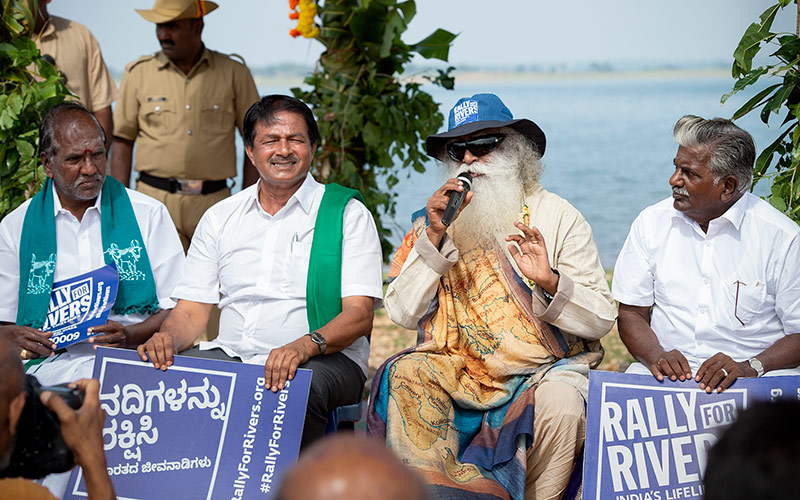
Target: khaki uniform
(77,56)
(183,125)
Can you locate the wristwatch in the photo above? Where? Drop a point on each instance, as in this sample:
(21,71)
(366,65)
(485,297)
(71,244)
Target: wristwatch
(756,365)
(318,339)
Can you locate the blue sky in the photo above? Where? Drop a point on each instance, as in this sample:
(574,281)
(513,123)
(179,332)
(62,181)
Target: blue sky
(491,33)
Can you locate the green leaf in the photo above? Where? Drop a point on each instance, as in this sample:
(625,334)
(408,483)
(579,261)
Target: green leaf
(394,26)
(776,102)
(752,103)
(435,46)
(765,158)
(409,10)
(777,203)
(745,81)
(751,41)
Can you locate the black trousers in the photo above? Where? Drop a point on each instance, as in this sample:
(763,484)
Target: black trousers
(336,381)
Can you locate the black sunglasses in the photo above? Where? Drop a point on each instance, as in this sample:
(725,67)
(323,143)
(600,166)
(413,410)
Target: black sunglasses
(478,146)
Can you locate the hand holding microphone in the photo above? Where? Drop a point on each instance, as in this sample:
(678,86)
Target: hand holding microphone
(457,198)
(444,205)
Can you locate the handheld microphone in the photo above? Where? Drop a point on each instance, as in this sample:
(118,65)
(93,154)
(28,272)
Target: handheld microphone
(456,199)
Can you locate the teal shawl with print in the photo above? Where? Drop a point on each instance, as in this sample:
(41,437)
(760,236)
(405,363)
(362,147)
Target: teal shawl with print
(123,246)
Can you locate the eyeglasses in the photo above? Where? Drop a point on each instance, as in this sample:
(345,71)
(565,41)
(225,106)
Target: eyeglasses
(478,146)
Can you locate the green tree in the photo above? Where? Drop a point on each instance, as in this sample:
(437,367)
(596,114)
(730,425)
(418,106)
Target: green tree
(25,96)
(783,95)
(371,122)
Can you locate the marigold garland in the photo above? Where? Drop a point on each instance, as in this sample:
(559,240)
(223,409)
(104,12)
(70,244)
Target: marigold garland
(304,12)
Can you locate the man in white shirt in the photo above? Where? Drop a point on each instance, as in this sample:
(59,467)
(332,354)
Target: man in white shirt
(254,250)
(709,280)
(72,144)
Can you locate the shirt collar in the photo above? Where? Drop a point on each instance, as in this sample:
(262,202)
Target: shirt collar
(735,214)
(165,61)
(49,29)
(304,195)
(58,207)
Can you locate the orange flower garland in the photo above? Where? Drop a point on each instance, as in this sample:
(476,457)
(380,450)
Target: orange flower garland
(304,12)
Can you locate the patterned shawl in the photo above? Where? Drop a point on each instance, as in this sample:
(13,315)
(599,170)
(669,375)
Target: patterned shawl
(458,407)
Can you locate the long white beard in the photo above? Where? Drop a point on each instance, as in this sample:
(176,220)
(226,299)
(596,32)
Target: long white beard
(495,206)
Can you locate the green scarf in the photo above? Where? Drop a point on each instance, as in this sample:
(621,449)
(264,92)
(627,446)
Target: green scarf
(324,283)
(122,245)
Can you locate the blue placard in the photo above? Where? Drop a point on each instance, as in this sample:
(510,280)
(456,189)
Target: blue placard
(79,303)
(202,429)
(648,440)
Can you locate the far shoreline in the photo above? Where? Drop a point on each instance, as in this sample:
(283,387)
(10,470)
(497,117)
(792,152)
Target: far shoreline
(265,78)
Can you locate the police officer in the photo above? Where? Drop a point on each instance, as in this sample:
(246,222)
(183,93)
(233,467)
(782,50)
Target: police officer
(181,105)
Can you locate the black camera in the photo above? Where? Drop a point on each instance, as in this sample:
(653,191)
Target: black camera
(39,449)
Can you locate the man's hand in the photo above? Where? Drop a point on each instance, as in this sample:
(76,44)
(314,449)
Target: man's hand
(82,430)
(671,364)
(436,206)
(282,362)
(113,335)
(36,343)
(533,261)
(719,371)
(159,348)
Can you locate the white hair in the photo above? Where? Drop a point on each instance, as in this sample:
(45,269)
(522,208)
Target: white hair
(507,175)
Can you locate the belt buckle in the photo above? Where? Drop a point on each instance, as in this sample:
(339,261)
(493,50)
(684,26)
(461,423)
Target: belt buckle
(190,186)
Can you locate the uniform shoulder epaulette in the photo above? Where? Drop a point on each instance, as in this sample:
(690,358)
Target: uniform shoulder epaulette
(142,59)
(237,56)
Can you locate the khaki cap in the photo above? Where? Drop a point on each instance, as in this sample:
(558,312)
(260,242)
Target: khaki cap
(165,11)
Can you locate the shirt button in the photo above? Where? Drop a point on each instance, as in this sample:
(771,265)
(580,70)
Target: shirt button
(188,80)
(188,106)
(158,108)
(216,106)
(188,132)
(705,282)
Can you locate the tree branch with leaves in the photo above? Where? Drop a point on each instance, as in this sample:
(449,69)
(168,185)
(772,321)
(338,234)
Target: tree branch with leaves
(784,95)
(29,88)
(372,122)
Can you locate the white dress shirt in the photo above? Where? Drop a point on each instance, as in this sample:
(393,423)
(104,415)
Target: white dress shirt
(255,266)
(80,250)
(734,289)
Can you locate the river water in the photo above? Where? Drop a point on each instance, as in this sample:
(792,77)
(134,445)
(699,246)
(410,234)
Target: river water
(609,142)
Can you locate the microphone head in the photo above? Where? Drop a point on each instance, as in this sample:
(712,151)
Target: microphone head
(466,179)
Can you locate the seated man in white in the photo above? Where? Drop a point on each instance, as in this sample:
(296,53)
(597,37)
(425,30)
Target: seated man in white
(708,280)
(78,222)
(283,305)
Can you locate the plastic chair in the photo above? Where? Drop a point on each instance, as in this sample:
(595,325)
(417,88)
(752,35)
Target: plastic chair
(344,418)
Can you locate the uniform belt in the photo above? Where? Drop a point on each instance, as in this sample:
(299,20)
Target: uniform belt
(183,186)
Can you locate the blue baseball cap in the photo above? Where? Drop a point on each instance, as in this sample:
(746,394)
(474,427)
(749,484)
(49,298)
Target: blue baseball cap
(479,112)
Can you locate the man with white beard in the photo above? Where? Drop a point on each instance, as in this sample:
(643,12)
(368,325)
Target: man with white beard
(509,302)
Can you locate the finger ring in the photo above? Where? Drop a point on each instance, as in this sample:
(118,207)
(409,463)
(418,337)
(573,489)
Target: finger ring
(23,354)
(724,371)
